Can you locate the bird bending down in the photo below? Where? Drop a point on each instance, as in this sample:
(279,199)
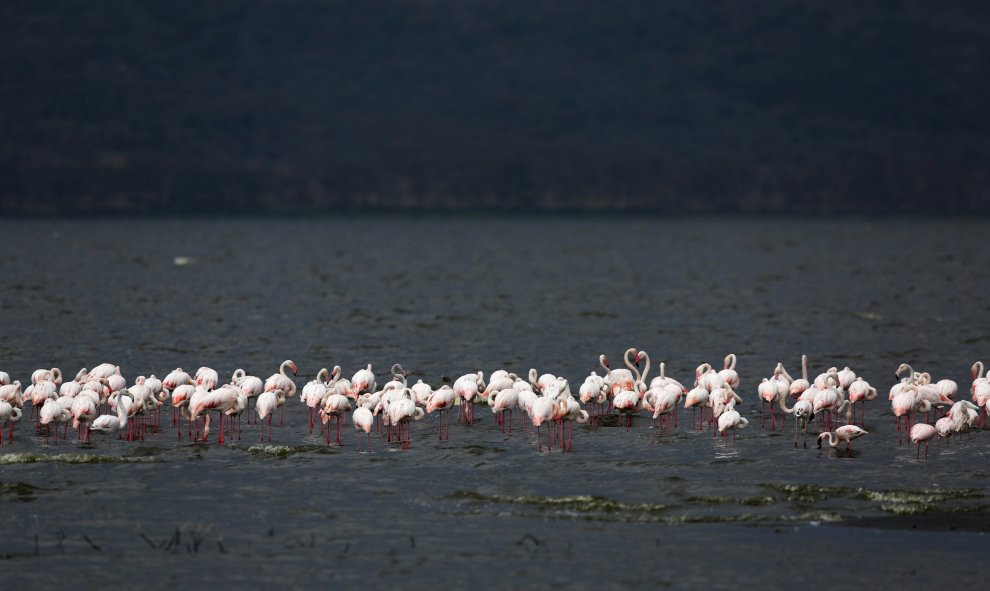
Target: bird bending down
(844,433)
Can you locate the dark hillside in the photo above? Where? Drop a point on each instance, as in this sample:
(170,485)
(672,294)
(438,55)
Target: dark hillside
(667,106)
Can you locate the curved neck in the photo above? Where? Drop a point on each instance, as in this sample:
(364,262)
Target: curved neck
(783,372)
(833,439)
(629,364)
(646,370)
(730,361)
(281,368)
(601,361)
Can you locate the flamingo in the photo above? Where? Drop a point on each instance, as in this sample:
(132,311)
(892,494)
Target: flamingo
(861,391)
(176,378)
(252,386)
(664,404)
(113,383)
(4,378)
(398,378)
(53,375)
(9,416)
(542,411)
(729,375)
(220,401)
(630,402)
(922,433)
(770,391)
(846,377)
(504,402)
(313,394)
(208,378)
(945,427)
(498,381)
(697,398)
(363,381)
(828,398)
(797,387)
(70,389)
(280,381)
(83,411)
(103,370)
(803,412)
(708,378)
(467,388)
(593,391)
(362,420)
(51,412)
(618,380)
(569,411)
(111,423)
(11,393)
(265,407)
(42,391)
(731,420)
(963,414)
(422,392)
(401,412)
(441,400)
(334,407)
(844,433)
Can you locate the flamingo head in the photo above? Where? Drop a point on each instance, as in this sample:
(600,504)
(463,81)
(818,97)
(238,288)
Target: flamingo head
(640,357)
(295,369)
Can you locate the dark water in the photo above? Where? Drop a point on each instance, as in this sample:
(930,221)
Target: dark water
(448,296)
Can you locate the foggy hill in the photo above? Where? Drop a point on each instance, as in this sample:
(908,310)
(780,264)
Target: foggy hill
(577,105)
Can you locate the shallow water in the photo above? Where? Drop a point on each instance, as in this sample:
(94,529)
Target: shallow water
(448,296)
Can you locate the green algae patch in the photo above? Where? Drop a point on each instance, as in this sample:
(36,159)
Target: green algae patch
(281,451)
(578,503)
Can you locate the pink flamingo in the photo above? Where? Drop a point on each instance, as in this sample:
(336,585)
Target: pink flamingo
(442,400)
(362,419)
(265,407)
(280,381)
(728,374)
(844,433)
(922,433)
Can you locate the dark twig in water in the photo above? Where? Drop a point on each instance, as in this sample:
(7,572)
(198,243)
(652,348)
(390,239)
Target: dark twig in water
(412,541)
(220,545)
(347,548)
(91,544)
(60,535)
(147,539)
(530,537)
(173,543)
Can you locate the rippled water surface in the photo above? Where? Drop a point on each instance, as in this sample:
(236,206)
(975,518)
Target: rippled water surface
(635,509)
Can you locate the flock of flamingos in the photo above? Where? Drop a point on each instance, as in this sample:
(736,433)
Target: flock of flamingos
(100,400)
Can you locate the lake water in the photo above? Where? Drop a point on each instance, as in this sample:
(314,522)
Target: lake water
(446,296)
